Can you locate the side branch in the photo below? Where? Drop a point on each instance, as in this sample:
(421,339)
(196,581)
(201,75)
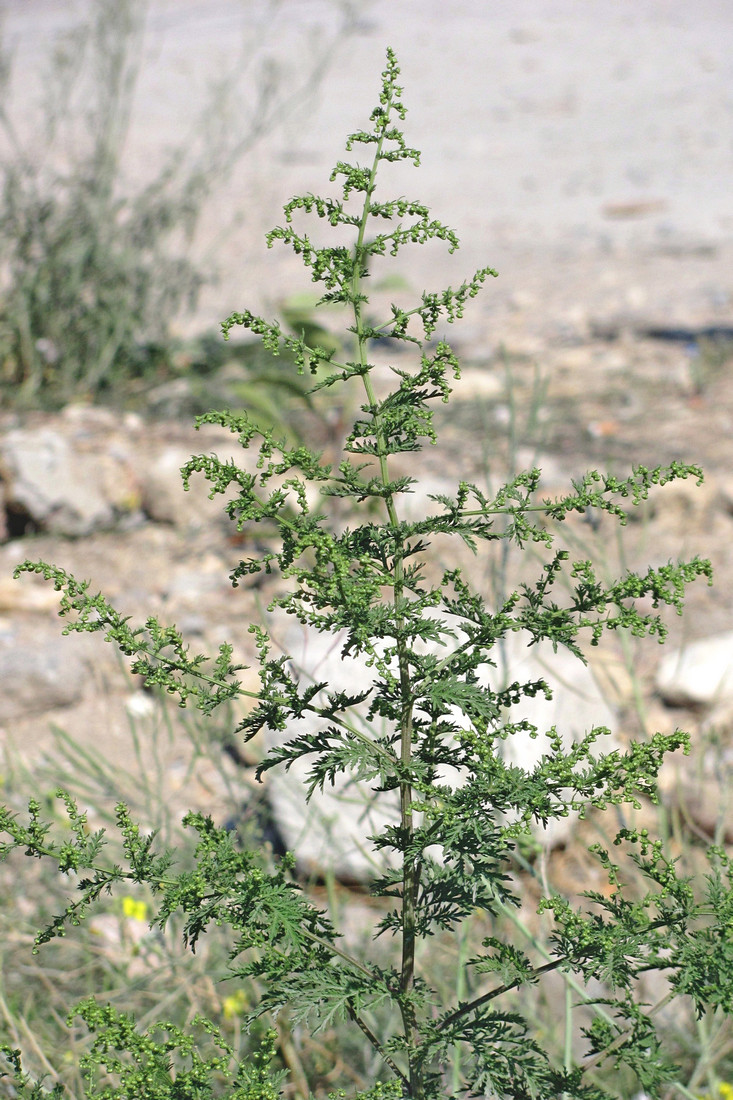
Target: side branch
(377,1045)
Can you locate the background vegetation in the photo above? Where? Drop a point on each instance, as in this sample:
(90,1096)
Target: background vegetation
(96,267)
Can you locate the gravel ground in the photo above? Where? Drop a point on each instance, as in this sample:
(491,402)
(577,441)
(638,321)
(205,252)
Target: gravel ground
(584,150)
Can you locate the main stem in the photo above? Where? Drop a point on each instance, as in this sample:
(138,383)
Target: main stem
(410,868)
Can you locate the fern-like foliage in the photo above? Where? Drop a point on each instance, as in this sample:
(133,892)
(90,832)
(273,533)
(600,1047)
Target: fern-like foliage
(428,645)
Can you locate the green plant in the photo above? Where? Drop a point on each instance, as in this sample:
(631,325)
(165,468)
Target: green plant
(430,642)
(115,955)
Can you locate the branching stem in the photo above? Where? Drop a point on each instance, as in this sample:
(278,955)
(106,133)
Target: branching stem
(411,873)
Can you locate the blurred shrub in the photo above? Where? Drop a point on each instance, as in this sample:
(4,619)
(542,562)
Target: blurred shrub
(94,269)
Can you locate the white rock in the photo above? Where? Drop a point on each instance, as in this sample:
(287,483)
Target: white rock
(332,830)
(50,483)
(27,594)
(163,496)
(140,705)
(417,503)
(698,674)
(38,678)
(329,832)
(69,486)
(191,589)
(479,383)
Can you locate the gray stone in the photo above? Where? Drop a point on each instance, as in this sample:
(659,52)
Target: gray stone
(725,494)
(480,384)
(704,806)
(192,589)
(163,496)
(38,678)
(4,532)
(44,481)
(698,674)
(332,830)
(61,489)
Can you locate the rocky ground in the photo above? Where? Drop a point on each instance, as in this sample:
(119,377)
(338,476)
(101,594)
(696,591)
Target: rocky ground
(99,493)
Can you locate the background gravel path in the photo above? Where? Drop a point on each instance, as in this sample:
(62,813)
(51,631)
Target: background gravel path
(583,149)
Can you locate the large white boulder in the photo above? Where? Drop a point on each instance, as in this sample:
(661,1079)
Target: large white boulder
(58,489)
(331,831)
(698,674)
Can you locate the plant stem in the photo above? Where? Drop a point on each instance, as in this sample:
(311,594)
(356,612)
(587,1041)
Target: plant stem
(411,872)
(376,1043)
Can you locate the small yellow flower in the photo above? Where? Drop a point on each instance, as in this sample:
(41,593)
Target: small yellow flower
(131,907)
(235,1004)
(725,1092)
